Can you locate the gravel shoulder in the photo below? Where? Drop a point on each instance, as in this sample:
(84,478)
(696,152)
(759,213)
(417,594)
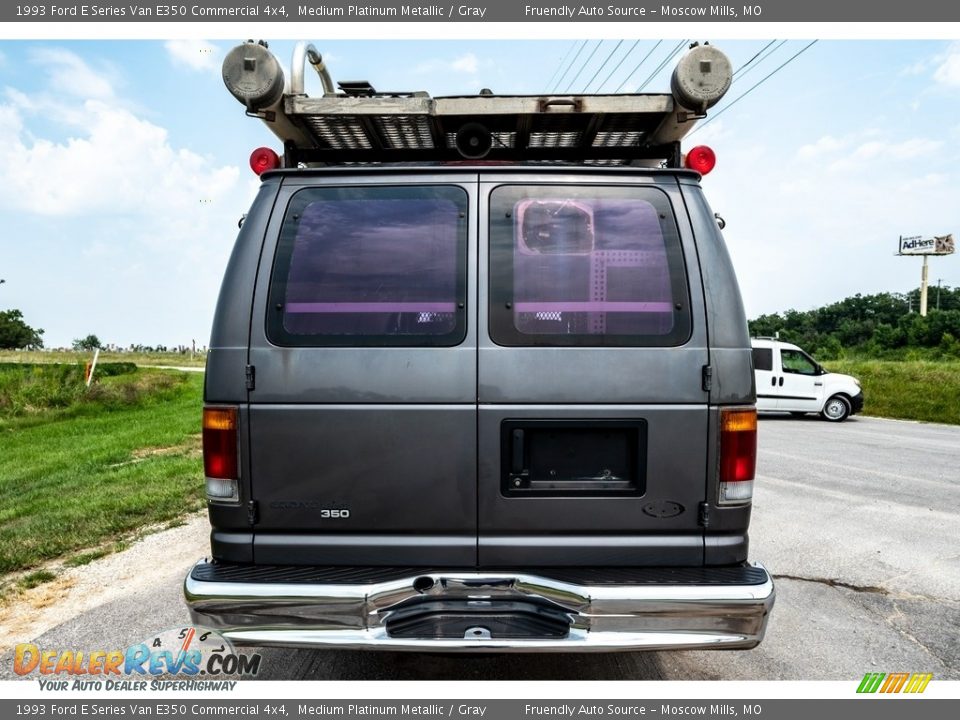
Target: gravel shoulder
(157,560)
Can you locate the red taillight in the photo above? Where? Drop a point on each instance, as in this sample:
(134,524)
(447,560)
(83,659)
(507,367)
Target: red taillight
(702,159)
(738,453)
(220,443)
(263,159)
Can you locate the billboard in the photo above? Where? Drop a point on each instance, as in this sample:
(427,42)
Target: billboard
(919,245)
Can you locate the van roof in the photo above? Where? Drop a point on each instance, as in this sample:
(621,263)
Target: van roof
(772,342)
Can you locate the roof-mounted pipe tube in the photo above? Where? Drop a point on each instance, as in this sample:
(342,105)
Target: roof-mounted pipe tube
(305,52)
(253,76)
(700,79)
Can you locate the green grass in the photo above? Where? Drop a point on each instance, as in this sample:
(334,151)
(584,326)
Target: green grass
(907,390)
(77,476)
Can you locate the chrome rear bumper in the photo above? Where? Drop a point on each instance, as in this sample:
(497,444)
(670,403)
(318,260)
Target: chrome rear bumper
(499,611)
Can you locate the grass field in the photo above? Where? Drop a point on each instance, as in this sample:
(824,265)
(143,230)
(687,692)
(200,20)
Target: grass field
(907,390)
(97,466)
(72,357)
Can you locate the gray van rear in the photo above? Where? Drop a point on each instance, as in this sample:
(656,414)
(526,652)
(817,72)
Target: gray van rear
(470,406)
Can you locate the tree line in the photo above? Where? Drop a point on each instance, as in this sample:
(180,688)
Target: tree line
(885,325)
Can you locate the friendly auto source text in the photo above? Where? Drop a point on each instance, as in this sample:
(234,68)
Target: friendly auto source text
(573,11)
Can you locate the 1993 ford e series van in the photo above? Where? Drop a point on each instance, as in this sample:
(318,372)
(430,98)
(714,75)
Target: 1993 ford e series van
(480,377)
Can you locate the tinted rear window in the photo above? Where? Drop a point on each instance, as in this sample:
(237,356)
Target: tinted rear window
(588,266)
(359,266)
(762,359)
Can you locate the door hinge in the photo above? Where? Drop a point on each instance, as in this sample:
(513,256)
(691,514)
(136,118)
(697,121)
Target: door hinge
(252,512)
(703,514)
(250,372)
(706,378)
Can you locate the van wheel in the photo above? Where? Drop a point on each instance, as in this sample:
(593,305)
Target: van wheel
(837,409)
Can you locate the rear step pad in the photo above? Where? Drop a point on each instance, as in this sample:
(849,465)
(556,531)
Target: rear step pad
(329,575)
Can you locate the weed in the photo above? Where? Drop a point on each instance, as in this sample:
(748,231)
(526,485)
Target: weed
(36,578)
(86,558)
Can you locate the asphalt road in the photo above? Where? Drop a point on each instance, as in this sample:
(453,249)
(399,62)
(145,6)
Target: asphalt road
(858,523)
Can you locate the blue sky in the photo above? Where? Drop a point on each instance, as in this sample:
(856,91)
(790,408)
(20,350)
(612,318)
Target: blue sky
(125,165)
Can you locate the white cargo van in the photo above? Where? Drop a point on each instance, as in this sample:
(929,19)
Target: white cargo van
(789,380)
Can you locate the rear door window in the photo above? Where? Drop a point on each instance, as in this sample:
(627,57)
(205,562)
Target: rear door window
(762,359)
(369,266)
(586,266)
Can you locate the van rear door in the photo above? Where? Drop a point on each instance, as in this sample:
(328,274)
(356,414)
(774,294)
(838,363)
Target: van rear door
(593,417)
(363,412)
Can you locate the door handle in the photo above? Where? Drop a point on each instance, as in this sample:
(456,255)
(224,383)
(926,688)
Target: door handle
(516,460)
(781,382)
(818,384)
(773,381)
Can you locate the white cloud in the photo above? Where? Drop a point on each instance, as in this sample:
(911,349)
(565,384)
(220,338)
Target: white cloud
(68,74)
(918,68)
(120,164)
(948,71)
(878,153)
(11,124)
(867,147)
(194,54)
(930,181)
(466,63)
(826,145)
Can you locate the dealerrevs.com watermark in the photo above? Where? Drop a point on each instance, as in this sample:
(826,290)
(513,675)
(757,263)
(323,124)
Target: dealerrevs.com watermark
(201,655)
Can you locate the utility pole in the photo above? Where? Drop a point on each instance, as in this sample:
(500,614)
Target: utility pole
(923,288)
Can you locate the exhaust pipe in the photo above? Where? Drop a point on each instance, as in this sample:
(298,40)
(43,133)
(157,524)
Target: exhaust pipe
(303,53)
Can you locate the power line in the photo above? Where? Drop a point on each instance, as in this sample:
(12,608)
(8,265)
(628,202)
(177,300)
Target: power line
(748,62)
(748,70)
(734,102)
(570,50)
(590,82)
(638,66)
(629,52)
(596,47)
(662,65)
(582,46)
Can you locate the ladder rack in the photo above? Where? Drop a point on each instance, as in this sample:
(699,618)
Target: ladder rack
(358,125)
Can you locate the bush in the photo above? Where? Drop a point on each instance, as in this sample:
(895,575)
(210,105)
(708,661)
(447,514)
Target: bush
(32,388)
(112,369)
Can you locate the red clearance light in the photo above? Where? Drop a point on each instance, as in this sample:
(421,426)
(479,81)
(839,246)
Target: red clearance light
(263,159)
(220,442)
(702,159)
(738,444)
